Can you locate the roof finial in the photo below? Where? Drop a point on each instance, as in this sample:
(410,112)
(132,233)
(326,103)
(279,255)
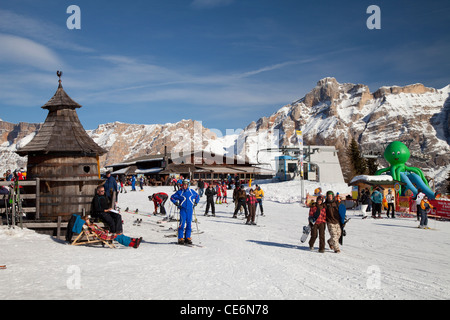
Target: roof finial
(59,74)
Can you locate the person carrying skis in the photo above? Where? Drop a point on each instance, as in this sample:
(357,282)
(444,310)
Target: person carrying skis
(259,194)
(210,193)
(185,199)
(159,199)
(333,221)
(317,220)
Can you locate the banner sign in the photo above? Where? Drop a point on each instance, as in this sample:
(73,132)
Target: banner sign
(441,208)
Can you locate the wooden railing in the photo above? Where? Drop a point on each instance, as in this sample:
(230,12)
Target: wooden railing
(4,199)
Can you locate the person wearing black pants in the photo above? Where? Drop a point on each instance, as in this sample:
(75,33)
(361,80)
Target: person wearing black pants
(390,201)
(210,193)
(102,210)
(159,199)
(241,198)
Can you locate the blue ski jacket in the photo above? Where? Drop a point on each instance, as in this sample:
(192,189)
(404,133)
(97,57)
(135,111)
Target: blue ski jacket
(186,199)
(377,197)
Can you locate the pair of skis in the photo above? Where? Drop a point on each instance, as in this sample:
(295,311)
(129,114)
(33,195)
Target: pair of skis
(15,203)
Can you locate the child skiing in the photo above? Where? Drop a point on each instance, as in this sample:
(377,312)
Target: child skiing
(224,193)
(424,207)
(219,193)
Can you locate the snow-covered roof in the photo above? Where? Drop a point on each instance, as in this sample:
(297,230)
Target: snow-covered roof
(380,180)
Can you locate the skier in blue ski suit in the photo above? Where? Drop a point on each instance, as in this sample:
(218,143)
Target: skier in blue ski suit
(185,199)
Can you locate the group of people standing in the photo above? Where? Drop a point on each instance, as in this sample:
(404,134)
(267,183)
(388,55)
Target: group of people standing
(324,213)
(249,202)
(374,203)
(186,199)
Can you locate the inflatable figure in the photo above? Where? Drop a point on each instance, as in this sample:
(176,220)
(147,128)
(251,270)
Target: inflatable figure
(397,154)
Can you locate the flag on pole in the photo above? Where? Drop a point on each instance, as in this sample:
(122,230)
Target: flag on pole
(300,146)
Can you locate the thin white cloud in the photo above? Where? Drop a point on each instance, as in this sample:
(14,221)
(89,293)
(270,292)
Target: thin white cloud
(206,4)
(22,51)
(274,67)
(130,79)
(40,31)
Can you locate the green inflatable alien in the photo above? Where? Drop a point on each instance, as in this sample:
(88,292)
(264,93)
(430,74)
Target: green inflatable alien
(397,154)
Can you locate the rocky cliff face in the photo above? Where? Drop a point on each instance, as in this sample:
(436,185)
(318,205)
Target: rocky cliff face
(333,113)
(12,137)
(126,141)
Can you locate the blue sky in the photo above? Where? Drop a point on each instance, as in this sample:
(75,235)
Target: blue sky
(223,62)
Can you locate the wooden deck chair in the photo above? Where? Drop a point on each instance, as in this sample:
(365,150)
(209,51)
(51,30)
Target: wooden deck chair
(86,235)
(90,238)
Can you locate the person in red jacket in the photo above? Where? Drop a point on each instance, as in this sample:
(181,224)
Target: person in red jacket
(251,204)
(219,193)
(317,220)
(159,199)
(224,193)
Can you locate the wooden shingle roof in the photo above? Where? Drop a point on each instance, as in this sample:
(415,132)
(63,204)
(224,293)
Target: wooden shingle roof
(62,130)
(60,100)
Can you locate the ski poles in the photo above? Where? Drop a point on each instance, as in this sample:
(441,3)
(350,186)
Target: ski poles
(198,231)
(257,215)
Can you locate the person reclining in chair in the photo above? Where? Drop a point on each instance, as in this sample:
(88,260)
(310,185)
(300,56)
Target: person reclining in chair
(101,209)
(105,235)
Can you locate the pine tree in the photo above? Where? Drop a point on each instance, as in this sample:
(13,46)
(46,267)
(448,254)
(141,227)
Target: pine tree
(372,166)
(357,161)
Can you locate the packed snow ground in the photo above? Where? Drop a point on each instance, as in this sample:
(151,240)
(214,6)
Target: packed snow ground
(380,258)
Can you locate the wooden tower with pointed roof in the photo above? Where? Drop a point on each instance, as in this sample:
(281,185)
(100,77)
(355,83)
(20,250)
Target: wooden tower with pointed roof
(64,158)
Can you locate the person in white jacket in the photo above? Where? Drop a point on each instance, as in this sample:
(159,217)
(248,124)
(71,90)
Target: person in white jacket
(419,198)
(365,199)
(390,198)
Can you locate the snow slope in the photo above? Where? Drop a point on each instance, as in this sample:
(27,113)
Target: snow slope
(380,259)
